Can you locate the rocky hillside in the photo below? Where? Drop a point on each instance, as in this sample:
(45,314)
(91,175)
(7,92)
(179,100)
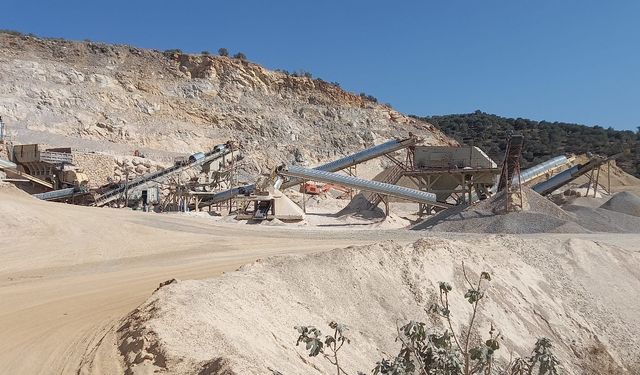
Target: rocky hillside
(116,99)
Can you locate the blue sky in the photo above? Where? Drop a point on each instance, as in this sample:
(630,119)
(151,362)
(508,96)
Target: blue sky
(562,60)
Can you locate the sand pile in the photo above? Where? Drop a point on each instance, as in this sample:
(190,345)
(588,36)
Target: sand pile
(604,220)
(539,216)
(575,292)
(624,202)
(360,206)
(55,234)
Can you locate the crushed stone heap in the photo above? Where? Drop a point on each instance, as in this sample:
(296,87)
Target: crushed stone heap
(539,215)
(624,202)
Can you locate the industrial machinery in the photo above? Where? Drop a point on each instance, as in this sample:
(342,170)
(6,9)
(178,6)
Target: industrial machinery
(377,187)
(73,178)
(127,189)
(3,131)
(272,204)
(455,174)
(334,166)
(53,166)
(563,178)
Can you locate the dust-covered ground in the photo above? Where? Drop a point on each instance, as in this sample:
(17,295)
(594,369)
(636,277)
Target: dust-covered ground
(555,277)
(577,292)
(71,276)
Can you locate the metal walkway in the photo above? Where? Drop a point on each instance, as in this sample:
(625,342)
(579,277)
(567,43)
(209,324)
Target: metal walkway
(334,166)
(145,181)
(305,174)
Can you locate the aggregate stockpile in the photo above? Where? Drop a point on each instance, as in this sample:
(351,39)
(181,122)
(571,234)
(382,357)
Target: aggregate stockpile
(539,215)
(117,99)
(576,292)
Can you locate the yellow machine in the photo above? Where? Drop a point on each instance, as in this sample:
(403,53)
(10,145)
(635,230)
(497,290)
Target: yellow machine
(74,178)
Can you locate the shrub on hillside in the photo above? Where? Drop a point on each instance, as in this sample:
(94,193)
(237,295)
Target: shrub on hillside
(11,32)
(174,51)
(240,56)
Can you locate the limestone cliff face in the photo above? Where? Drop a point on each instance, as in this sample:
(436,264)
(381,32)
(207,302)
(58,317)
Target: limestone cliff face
(118,98)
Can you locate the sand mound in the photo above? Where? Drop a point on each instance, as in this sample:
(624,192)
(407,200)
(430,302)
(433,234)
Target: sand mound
(515,223)
(603,220)
(52,234)
(360,206)
(624,202)
(576,292)
(539,216)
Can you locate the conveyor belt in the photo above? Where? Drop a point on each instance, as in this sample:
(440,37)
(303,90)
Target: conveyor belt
(160,176)
(334,166)
(563,178)
(358,183)
(60,194)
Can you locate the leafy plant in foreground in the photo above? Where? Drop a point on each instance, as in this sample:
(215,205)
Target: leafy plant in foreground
(426,352)
(329,346)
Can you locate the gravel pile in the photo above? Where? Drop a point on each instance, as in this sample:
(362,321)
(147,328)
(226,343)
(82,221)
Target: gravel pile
(539,216)
(514,222)
(624,202)
(604,220)
(359,207)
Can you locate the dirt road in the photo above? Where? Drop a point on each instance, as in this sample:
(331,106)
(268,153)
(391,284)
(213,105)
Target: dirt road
(69,273)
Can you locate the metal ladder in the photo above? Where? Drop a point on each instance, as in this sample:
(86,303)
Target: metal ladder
(511,161)
(392,178)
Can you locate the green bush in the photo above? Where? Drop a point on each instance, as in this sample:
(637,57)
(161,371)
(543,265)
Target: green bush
(240,56)
(223,52)
(173,52)
(11,32)
(370,98)
(543,139)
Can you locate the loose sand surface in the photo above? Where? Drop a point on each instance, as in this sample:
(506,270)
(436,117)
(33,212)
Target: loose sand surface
(70,275)
(574,291)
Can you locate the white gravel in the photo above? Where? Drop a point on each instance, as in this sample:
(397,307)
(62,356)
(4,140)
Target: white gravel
(624,202)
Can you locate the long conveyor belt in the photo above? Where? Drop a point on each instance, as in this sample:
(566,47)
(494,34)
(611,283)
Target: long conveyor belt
(358,183)
(334,166)
(160,176)
(563,178)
